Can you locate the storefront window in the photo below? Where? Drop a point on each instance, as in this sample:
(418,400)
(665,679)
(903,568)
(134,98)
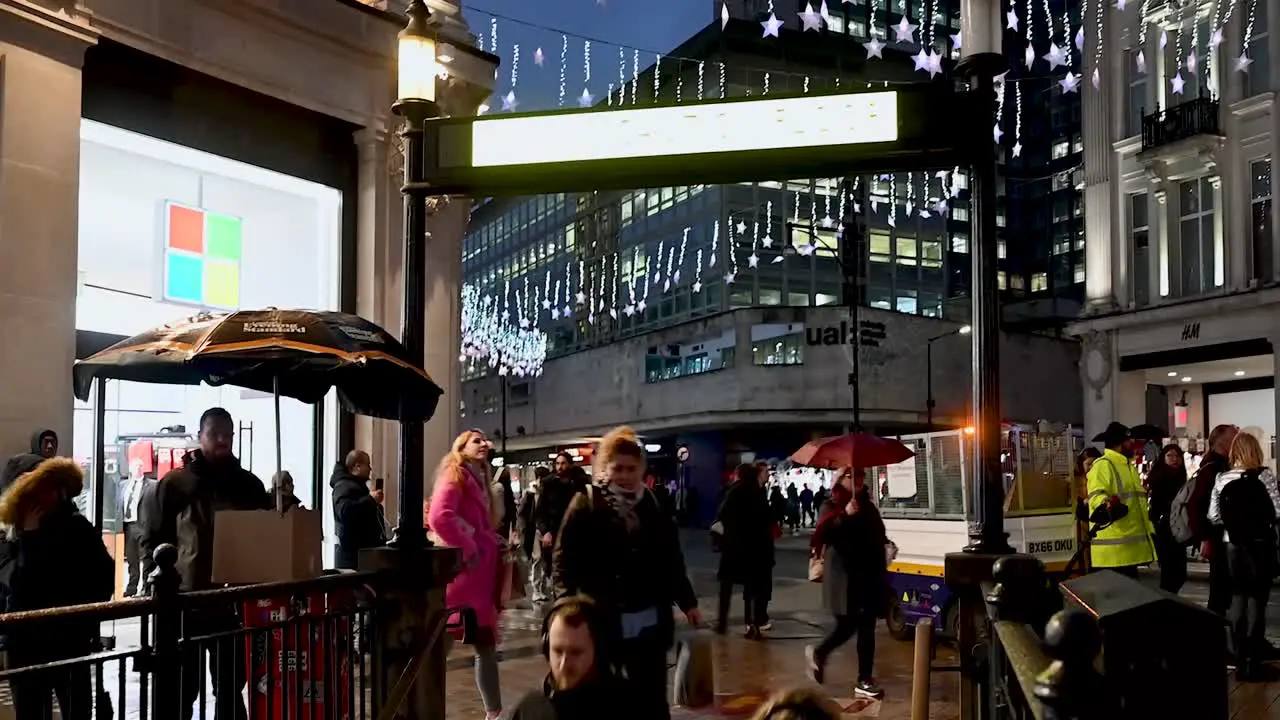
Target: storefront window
(166,232)
(784,350)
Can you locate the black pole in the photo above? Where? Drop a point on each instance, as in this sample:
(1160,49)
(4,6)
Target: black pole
(503,379)
(928,384)
(409,532)
(851,268)
(987,534)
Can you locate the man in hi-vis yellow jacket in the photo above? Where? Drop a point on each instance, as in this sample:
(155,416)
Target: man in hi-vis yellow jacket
(1118,507)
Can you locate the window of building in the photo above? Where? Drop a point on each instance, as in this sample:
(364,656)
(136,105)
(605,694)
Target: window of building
(1136,103)
(960,243)
(880,246)
(1002,280)
(1258,78)
(1139,242)
(1077,275)
(784,350)
(930,253)
(907,251)
(1196,241)
(906,302)
(1060,149)
(1016,282)
(1039,282)
(1263,240)
(1002,250)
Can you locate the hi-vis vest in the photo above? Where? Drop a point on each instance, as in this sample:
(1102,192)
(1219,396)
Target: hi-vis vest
(1127,541)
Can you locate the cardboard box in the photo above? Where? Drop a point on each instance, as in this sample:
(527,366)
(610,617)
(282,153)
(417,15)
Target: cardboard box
(260,546)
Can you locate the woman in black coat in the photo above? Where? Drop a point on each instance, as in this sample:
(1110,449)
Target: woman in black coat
(746,549)
(855,588)
(1167,476)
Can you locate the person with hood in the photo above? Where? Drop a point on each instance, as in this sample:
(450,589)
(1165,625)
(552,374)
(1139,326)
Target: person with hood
(357,511)
(44,445)
(179,510)
(1167,476)
(51,556)
(582,683)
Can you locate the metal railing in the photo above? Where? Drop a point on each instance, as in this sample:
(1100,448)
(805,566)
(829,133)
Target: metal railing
(1198,116)
(279,650)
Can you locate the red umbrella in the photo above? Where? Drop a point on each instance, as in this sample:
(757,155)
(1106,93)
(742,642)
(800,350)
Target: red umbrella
(858,450)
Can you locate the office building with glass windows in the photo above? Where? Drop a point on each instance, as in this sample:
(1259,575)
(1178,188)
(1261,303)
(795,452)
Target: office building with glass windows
(717,317)
(1183,313)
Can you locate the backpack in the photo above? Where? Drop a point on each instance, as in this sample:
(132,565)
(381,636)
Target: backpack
(1247,511)
(1180,513)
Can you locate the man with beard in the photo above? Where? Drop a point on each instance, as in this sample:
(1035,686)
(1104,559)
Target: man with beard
(581,684)
(179,510)
(357,511)
(555,492)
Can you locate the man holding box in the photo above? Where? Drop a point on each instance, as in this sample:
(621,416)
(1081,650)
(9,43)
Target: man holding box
(180,510)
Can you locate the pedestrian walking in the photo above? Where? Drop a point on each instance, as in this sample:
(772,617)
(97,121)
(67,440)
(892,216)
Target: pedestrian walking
(1167,476)
(851,539)
(462,515)
(505,504)
(44,445)
(617,545)
(555,494)
(51,556)
(1207,535)
(746,550)
(179,510)
(1118,507)
(525,522)
(793,508)
(357,510)
(806,507)
(130,498)
(581,682)
(1245,503)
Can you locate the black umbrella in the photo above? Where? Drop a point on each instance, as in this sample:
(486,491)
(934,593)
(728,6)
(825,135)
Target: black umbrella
(300,354)
(1153,433)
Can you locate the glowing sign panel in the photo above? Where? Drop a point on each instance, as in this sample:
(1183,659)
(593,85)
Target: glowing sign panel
(785,123)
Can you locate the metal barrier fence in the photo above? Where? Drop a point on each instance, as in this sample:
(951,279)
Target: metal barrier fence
(279,650)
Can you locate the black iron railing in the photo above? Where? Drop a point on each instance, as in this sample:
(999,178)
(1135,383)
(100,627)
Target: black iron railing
(278,650)
(1184,120)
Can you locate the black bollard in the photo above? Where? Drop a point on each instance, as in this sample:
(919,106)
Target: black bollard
(166,631)
(1020,587)
(1071,688)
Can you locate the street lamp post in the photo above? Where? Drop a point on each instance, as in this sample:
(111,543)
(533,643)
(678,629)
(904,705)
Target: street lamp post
(928,359)
(416,103)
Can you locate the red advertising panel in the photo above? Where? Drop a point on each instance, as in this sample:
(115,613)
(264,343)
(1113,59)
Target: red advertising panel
(306,666)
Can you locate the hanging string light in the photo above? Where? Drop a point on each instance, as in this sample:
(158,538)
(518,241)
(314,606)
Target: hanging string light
(715,245)
(722,81)
(697,278)
(564,65)
(1244,61)
(684,242)
(702,66)
(622,77)
(635,75)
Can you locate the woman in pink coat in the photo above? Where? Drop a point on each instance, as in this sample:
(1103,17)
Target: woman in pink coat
(461,515)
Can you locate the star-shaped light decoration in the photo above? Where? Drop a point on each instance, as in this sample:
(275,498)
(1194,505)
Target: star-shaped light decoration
(640,306)
(1029,56)
(771,26)
(874,48)
(1017,149)
(1120,5)
(997,133)
(921,61)
(753,260)
(1011,20)
(546,304)
(580,297)
(741,227)
(1070,82)
(629,310)
(1164,38)
(555,313)
(509,101)
(724,15)
(729,278)
(1216,38)
(538,57)
(810,18)
(766,241)
(566,312)
(1243,62)
(1191,62)
(941,207)
(955,40)
(586,98)
(1177,83)
(825,13)
(904,31)
(1056,57)
(827,222)
(1141,62)
(935,63)
(697,286)
(926,214)
(999,82)
(524,323)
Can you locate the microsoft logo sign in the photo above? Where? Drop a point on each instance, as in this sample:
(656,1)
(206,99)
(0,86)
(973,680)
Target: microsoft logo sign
(201,257)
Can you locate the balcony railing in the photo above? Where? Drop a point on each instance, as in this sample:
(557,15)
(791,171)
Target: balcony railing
(1182,121)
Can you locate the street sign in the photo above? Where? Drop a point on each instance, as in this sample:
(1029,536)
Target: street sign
(682,454)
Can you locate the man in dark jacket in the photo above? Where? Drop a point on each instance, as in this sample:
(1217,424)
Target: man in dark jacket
(357,512)
(581,684)
(1209,536)
(179,510)
(44,445)
(555,492)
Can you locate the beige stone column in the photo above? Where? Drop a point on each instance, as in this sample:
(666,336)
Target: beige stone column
(447,226)
(40,59)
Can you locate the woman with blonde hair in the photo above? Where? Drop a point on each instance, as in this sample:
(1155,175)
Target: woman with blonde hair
(617,546)
(51,556)
(462,515)
(1245,502)
(801,704)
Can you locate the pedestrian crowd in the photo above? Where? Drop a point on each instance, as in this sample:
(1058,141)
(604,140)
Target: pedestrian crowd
(1225,511)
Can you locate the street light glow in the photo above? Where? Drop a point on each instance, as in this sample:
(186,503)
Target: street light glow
(417,64)
(779,123)
(965,330)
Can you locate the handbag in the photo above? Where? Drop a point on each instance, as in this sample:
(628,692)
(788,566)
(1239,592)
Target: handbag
(890,552)
(511,576)
(817,566)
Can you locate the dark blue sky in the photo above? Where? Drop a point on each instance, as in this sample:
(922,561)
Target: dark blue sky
(651,26)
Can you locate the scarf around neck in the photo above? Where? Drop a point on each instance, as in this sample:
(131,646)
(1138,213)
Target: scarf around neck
(624,504)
